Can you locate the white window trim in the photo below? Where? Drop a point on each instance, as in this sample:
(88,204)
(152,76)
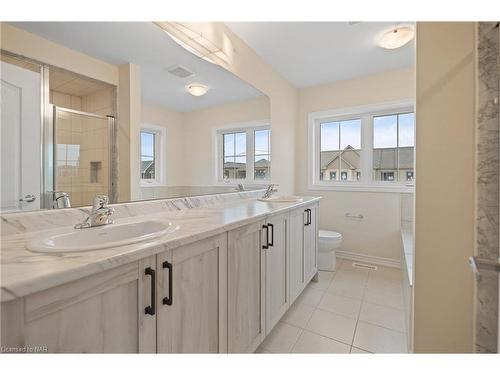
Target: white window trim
(160,157)
(365,113)
(249,127)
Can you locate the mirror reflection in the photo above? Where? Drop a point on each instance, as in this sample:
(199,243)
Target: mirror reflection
(121,109)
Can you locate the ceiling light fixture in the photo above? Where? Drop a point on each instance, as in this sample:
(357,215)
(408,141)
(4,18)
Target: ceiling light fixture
(396,37)
(197,89)
(201,39)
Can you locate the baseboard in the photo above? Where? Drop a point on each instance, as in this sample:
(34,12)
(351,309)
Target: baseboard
(370,259)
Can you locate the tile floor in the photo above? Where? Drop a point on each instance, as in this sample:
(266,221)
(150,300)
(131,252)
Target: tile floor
(351,310)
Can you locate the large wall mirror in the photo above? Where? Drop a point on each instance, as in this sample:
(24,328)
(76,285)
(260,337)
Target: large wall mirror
(121,109)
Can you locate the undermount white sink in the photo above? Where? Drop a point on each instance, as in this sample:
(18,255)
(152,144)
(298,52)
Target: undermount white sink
(282,199)
(101,237)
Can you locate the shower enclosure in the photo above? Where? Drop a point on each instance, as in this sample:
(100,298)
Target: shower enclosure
(82,159)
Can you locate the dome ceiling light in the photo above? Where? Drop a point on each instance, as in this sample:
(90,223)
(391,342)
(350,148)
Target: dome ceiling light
(396,37)
(197,89)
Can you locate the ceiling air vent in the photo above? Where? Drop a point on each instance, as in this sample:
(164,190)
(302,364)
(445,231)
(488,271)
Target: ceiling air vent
(180,71)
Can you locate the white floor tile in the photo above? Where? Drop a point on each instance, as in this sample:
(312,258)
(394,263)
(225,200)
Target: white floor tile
(310,297)
(325,279)
(394,300)
(384,316)
(312,343)
(384,287)
(377,339)
(281,339)
(334,326)
(341,305)
(298,315)
(352,289)
(355,350)
(261,350)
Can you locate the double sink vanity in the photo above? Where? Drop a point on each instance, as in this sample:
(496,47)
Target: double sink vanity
(207,274)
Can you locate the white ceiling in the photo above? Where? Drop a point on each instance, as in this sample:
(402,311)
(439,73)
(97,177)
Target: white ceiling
(145,44)
(315,53)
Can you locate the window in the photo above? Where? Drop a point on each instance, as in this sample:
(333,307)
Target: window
(363,148)
(148,169)
(340,149)
(262,147)
(152,151)
(235,151)
(393,147)
(244,154)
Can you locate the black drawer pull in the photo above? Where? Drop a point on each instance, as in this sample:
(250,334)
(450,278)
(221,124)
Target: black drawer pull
(265,245)
(272,234)
(309,216)
(151,309)
(170,299)
(306,211)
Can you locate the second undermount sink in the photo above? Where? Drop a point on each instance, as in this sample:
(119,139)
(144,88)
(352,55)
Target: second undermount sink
(282,199)
(101,237)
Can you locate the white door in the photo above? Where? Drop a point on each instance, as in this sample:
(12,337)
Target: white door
(20,138)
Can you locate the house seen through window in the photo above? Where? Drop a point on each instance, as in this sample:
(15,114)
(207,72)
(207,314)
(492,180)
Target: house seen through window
(393,147)
(246,154)
(340,150)
(148,156)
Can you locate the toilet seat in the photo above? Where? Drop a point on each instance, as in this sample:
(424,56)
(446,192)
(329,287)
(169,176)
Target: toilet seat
(330,235)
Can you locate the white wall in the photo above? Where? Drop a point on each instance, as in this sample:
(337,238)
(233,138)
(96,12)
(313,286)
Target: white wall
(199,129)
(377,235)
(172,121)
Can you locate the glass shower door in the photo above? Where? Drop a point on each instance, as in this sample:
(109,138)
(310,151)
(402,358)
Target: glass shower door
(82,155)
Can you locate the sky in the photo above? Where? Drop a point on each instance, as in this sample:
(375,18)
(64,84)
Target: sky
(147,140)
(239,140)
(384,133)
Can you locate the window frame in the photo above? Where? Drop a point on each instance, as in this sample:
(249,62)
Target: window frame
(160,133)
(366,114)
(249,128)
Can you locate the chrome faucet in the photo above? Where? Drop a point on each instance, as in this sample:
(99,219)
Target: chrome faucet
(99,215)
(273,188)
(61,200)
(240,187)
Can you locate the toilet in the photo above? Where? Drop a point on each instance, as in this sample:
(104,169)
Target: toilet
(329,241)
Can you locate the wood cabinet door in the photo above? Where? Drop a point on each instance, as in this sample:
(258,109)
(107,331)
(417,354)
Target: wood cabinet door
(276,269)
(192,298)
(102,313)
(296,225)
(246,293)
(310,244)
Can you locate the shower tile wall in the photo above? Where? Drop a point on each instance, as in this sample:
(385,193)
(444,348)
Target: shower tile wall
(83,153)
(487,184)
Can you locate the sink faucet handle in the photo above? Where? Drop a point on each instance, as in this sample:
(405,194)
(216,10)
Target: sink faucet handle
(100,201)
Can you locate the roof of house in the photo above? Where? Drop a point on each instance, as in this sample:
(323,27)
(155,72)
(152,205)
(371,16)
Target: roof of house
(261,163)
(383,158)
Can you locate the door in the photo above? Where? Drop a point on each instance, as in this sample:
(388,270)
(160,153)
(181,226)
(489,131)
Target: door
(192,298)
(296,252)
(275,246)
(82,155)
(110,312)
(21,138)
(310,243)
(246,288)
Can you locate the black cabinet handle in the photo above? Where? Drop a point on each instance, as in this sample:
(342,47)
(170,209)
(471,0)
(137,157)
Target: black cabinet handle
(151,309)
(170,299)
(307,218)
(265,245)
(272,234)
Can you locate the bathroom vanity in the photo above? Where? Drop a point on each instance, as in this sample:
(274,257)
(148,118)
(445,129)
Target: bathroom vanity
(218,284)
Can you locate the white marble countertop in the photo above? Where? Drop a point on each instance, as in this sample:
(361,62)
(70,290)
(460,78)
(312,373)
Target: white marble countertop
(24,272)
